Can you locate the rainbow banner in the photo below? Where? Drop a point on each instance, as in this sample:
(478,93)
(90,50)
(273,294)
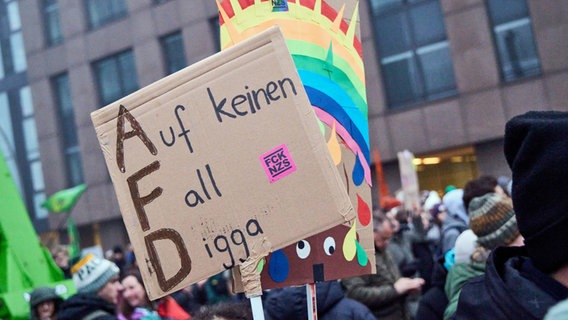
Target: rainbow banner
(323,40)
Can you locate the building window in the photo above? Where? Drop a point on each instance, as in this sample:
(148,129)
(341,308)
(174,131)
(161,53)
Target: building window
(116,77)
(174,54)
(215,30)
(12,52)
(64,105)
(514,39)
(414,53)
(101,12)
(52,26)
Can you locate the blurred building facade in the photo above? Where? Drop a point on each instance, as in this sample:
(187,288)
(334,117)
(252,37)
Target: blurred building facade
(443,76)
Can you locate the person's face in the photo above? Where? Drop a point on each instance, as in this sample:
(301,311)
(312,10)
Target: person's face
(383,237)
(45,310)
(134,292)
(62,259)
(111,290)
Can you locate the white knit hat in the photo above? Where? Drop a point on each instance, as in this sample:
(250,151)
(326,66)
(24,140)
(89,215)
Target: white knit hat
(92,273)
(465,245)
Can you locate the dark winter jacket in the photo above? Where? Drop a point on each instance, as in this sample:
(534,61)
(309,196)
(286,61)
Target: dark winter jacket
(291,304)
(82,305)
(457,277)
(434,301)
(377,291)
(512,288)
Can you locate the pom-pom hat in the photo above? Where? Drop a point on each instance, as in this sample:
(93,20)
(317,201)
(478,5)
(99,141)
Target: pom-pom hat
(91,273)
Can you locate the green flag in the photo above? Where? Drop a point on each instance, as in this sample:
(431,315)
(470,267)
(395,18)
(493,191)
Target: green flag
(64,200)
(74,246)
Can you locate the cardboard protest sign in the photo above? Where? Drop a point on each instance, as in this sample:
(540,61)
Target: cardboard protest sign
(409,180)
(219,164)
(323,39)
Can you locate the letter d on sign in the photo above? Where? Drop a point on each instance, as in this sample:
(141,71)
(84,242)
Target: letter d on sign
(184,270)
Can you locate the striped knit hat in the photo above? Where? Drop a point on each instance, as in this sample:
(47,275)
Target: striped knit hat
(492,219)
(92,273)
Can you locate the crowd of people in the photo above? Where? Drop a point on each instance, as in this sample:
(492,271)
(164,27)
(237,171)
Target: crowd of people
(492,249)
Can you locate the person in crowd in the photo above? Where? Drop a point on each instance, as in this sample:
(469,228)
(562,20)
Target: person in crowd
(44,304)
(524,282)
(480,186)
(98,290)
(401,243)
(119,259)
(493,224)
(61,257)
(438,214)
(384,293)
(135,303)
(226,310)
(168,308)
(456,219)
(210,291)
(290,303)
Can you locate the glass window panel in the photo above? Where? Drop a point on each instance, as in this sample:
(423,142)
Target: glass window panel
(2,73)
(101,12)
(26,102)
(501,11)
(37,175)
(437,68)
(6,130)
(214,24)
(401,82)
(30,138)
(128,73)
(517,51)
(18,52)
(382,5)
(51,20)
(174,53)
(412,43)
(116,77)
(40,212)
(14,16)
(428,23)
(109,84)
(74,167)
(393,34)
(514,38)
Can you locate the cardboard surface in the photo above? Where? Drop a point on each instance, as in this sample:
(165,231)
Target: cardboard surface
(409,180)
(218,162)
(323,38)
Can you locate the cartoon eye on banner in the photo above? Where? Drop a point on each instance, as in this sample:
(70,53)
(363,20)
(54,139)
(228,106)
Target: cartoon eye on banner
(323,40)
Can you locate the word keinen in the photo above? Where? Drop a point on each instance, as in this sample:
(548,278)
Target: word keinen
(256,99)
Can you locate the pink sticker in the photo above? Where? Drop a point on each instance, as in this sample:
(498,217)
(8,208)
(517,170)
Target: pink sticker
(277,163)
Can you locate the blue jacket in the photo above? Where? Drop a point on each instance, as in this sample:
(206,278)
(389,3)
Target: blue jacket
(290,304)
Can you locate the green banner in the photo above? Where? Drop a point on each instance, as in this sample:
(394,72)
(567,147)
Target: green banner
(64,200)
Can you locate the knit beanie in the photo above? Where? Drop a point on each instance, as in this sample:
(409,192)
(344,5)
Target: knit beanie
(90,274)
(465,246)
(492,219)
(536,149)
(41,294)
